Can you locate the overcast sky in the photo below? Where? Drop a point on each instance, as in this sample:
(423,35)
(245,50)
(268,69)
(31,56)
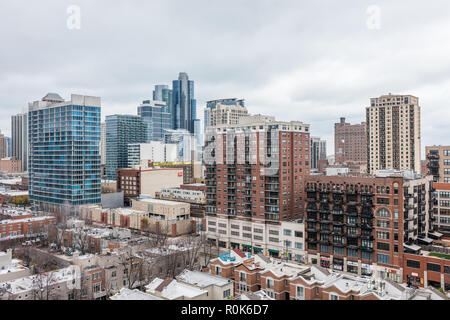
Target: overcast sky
(312,61)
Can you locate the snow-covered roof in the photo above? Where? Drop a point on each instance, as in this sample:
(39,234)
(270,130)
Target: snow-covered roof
(135,294)
(202,279)
(173,289)
(258,295)
(25,284)
(8,221)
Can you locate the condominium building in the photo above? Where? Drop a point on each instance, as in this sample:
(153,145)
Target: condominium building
(103,144)
(122,130)
(438,163)
(318,151)
(255,169)
(442,207)
(364,224)
(350,142)
(64,158)
(3,146)
(19,139)
(393,133)
(224,111)
(155,118)
(163,93)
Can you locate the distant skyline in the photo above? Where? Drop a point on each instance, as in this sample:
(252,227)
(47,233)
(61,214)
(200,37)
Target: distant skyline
(295,60)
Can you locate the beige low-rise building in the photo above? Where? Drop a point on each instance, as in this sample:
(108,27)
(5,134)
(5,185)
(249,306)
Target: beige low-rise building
(163,209)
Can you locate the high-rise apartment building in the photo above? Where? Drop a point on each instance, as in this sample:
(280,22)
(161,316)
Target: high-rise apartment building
(156,119)
(318,151)
(437,163)
(19,139)
(3,146)
(184,104)
(365,224)
(103,144)
(224,111)
(393,133)
(64,158)
(255,169)
(350,142)
(122,130)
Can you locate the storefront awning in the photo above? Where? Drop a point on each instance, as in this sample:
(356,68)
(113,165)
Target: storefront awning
(273,251)
(246,246)
(257,249)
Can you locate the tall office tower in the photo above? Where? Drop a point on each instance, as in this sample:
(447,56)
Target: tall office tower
(224,111)
(103,144)
(318,151)
(9,146)
(64,159)
(121,130)
(163,93)
(255,169)
(156,120)
(438,163)
(158,92)
(184,104)
(365,225)
(350,142)
(3,146)
(393,133)
(19,139)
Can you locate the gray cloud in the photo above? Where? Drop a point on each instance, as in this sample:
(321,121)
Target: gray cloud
(304,60)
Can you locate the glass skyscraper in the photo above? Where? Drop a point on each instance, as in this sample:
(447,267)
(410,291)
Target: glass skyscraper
(156,119)
(122,130)
(184,104)
(64,159)
(163,93)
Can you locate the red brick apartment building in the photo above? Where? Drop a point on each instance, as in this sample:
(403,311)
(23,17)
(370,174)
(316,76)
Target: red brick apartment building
(255,169)
(25,225)
(364,225)
(350,142)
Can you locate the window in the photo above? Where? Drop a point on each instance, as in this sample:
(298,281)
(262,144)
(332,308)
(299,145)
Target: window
(269,283)
(298,234)
(334,297)
(287,232)
(433,267)
(413,264)
(299,245)
(383,246)
(226,293)
(383,258)
(242,276)
(300,292)
(383,224)
(382,200)
(383,213)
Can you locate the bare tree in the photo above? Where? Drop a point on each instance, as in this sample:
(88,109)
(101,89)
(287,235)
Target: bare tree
(80,240)
(42,287)
(131,266)
(191,249)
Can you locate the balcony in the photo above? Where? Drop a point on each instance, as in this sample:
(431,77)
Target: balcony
(433,156)
(367,249)
(351,213)
(366,226)
(367,214)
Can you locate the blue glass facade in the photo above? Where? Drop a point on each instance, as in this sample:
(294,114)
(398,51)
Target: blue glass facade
(64,159)
(184,104)
(155,118)
(122,130)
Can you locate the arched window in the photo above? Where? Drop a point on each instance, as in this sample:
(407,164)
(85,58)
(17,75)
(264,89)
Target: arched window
(383,213)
